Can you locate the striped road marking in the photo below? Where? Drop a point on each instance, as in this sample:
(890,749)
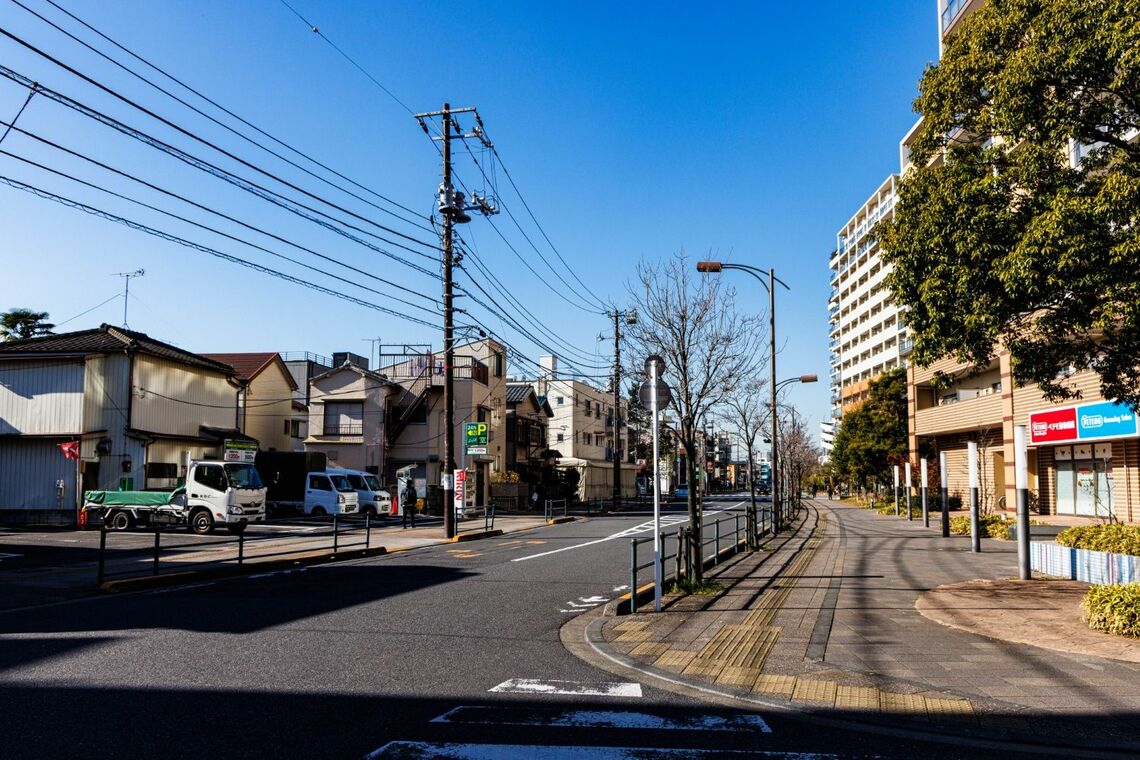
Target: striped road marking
(562,718)
(440,751)
(571,688)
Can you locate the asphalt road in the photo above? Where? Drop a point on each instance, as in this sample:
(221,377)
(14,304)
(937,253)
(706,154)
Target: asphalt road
(447,651)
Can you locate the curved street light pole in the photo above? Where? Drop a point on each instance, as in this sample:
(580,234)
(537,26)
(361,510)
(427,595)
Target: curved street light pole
(770,286)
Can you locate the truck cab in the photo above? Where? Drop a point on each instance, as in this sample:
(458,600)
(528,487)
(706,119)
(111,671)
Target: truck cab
(374,499)
(225,493)
(330,493)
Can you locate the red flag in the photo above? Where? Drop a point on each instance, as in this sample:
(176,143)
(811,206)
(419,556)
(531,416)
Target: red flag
(70,449)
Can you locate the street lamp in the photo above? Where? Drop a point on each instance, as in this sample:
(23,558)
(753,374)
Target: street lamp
(713,267)
(775,405)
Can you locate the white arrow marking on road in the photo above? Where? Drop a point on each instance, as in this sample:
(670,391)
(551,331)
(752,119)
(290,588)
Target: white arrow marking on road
(571,688)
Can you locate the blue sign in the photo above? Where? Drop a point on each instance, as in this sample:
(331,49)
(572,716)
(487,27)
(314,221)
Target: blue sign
(1105,420)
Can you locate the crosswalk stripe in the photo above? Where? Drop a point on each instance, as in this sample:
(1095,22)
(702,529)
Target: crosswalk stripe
(446,751)
(566,718)
(572,688)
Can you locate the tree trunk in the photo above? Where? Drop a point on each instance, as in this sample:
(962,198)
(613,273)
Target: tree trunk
(753,526)
(697,571)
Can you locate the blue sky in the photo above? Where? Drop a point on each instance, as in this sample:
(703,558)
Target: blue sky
(742,131)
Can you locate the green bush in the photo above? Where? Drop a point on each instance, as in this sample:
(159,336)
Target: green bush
(990,526)
(1113,609)
(1118,539)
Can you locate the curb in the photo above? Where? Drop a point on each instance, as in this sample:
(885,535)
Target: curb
(476,536)
(560,520)
(249,568)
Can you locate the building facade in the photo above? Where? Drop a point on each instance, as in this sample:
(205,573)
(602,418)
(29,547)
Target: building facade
(266,399)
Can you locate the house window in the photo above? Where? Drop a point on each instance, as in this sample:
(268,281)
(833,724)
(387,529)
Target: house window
(344,417)
(295,429)
(588,413)
(161,470)
(497,365)
(560,400)
(561,437)
(285,427)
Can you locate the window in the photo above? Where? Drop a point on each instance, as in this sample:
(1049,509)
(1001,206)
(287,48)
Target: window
(344,417)
(497,365)
(319,483)
(560,400)
(561,437)
(588,413)
(285,428)
(295,429)
(166,470)
(211,476)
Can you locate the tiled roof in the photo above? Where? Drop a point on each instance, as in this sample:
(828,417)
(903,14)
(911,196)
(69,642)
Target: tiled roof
(250,365)
(107,339)
(517,392)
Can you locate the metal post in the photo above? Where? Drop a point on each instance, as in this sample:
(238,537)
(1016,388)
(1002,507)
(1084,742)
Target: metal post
(677,575)
(716,541)
(1021,480)
(657,538)
(617,409)
(772,385)
(632,575)
(335,535)
(922,477)
(736,531)
(157,539)
(943,478)
(972,465)
(241,547)
(447,463)
(907,487)
(367,529)
(102,553)
(896,490)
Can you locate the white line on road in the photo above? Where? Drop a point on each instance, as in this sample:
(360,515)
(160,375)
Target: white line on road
(521,716)
(571,688)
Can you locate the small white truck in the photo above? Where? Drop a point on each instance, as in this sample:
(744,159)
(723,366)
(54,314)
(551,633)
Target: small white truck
(216,493)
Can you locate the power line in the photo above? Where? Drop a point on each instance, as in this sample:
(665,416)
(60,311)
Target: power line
(202,207)
(253,188)
(18,185)
(118,96)
(417,223)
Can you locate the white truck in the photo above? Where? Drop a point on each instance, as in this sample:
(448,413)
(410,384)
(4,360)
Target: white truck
(324,493)
(216,493)
(374,499)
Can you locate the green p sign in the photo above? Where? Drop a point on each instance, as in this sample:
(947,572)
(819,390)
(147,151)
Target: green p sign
(475,435)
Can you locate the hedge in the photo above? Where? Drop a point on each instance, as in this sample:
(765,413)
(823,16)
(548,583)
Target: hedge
(991,526)
(1113,608)
(1116,539)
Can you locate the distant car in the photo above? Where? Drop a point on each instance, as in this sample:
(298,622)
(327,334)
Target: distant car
(680,491)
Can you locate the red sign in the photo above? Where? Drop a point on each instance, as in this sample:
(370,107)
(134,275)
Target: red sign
(70,449)
(1053,426)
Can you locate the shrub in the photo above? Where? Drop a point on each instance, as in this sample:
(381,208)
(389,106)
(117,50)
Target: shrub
(1117,539)
(990,526)
(1114,608)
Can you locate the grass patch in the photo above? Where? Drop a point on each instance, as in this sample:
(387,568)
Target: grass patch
(688,586)
(1113,608)
(1117,539)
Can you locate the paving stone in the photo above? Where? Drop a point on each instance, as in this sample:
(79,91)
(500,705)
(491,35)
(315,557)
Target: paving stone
(650,649)
(810,690)
(775,684)
(857,698)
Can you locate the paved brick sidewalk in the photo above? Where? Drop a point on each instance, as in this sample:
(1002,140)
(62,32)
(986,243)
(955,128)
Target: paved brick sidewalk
(827,623)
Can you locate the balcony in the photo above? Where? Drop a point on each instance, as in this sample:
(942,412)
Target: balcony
(960,416)
(344,428)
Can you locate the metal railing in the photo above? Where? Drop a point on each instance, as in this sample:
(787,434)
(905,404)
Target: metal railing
(554,507)
(234,550)
(683,551)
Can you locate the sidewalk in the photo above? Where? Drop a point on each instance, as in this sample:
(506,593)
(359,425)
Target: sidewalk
(858,616)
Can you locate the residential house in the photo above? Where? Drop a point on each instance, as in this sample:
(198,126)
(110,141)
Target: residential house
(266,399)
(348,414)
(139,409)
(527,420)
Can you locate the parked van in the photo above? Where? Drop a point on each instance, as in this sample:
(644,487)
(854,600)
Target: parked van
(374,500)
(329,493)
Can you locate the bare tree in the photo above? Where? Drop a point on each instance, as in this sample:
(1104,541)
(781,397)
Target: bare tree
(692,323)
(746,410)
(799,456)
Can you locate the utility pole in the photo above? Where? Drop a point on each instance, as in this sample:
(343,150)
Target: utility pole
(617,409)
(453,209)
(127,289)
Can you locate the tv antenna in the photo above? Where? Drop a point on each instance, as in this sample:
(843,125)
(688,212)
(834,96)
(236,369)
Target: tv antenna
(127,289)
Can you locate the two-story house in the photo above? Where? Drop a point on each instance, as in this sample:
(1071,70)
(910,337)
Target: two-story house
(527,420)
(138,409)
(348,415)
(266,399)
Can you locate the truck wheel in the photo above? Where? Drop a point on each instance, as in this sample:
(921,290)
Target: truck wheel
(120,521)
(318,512)
(237,529)
(201,522)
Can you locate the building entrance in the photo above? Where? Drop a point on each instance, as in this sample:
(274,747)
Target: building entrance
(1084,483)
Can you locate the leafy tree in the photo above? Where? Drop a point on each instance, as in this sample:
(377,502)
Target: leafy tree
(692,323)
(872,436)
(1002,239)
(19,324)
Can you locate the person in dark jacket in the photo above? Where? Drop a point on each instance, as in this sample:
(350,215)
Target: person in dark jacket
(408,503)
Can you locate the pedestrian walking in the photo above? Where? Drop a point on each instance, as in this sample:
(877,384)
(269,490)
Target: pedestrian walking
(408,503)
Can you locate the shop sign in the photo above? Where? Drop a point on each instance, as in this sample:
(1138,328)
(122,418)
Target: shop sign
(239,451)
(1105,419)
(475,438)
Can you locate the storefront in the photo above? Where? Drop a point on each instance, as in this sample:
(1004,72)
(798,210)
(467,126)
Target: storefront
(1086,456)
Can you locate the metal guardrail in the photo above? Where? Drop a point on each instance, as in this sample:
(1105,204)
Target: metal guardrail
(682,554)
(354,536)
(553,507)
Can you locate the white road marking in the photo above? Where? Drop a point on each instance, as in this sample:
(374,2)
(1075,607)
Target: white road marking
(521,716)
(442,751)
(619,589)
(10,556)
(571,688)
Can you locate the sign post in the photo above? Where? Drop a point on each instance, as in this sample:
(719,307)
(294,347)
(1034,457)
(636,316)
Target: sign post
(1021,480)
(657,395)
(972,466)
(925,511)
(942,476)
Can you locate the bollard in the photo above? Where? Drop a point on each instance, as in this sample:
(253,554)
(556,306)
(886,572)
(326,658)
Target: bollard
(241,547)
(157,538)
(632,575)
(677,574)
(367,529)
(336,537)
(736,530)
(102,553)
(716,541)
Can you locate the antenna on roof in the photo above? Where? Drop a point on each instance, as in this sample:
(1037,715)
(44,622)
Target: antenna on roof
(127,289)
